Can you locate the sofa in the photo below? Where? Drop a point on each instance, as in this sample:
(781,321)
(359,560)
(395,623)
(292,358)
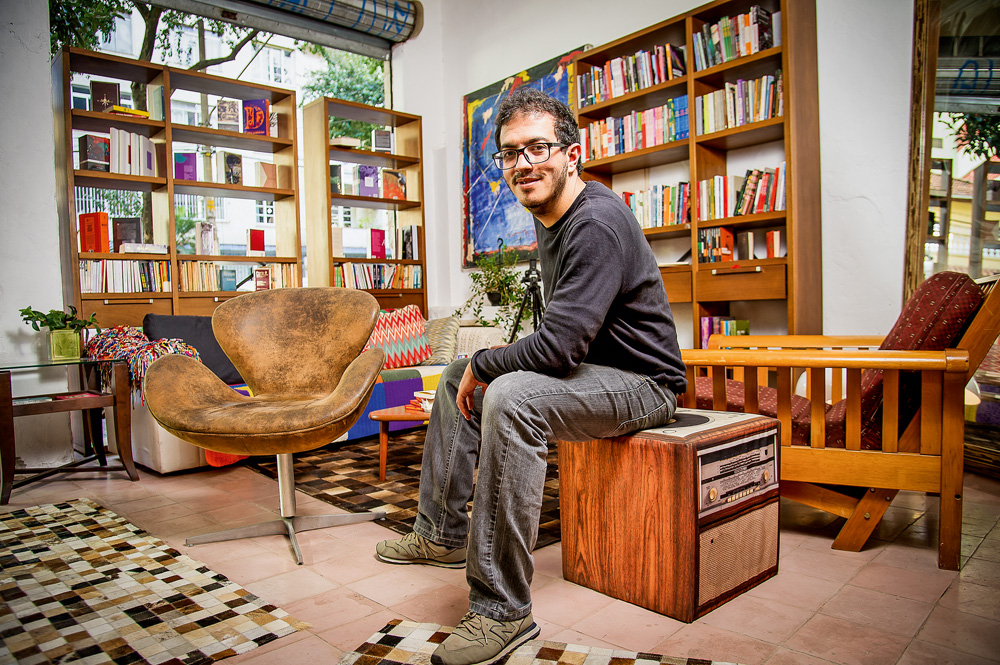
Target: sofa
(158,450)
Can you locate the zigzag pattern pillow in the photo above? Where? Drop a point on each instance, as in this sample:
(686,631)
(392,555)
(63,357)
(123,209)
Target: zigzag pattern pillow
(400,333)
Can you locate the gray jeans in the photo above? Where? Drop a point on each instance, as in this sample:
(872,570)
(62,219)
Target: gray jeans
(515,420)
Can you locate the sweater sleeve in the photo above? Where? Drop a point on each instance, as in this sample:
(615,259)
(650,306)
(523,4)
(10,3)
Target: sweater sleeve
(589,278)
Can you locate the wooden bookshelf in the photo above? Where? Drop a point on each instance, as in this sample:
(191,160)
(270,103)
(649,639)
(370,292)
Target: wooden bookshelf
(129,307)
(712,288)
(319,197)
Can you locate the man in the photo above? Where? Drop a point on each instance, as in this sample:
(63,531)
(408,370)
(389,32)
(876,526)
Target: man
(604,362)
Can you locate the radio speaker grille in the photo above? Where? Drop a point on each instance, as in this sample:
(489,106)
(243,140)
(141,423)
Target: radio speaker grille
(736,551)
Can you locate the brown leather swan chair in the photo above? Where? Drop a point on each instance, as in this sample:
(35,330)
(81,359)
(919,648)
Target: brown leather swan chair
(299,351)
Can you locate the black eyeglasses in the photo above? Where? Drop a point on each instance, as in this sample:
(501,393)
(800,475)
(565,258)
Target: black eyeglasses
(536,153)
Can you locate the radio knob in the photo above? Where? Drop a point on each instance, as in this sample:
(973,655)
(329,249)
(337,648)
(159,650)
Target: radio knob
(713,494)
(765,477)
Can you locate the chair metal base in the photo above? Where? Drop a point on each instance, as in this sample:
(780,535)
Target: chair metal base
(289,524)
(285,525)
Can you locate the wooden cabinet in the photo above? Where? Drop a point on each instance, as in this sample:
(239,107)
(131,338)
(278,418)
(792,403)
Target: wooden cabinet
(791,137)
(122,287)
(327,260)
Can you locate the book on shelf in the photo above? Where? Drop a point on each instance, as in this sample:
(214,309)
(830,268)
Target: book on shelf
(229,167)
(125,110)
(393,184)
(154,101)
(205,238)
(227,279)
(774,244)
(142,248)
(722,325)
(95,152)
(228,111)
(378,243)
(94,232)
(126,230)
(337,240)
(715,244)
(104,95)
(185,166)
(422,401)
(407,242)
(262,278)
(357,243)
(124,276)
(256,116)
(345,142)
(18,401)
(266,175)
(255,242)
(368,180)
(336,184)
(745,246)
(381,140)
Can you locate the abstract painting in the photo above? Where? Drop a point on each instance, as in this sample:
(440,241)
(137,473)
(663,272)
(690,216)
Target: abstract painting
(492,217)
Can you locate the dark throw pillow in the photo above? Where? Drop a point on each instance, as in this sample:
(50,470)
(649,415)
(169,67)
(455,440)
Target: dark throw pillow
(196,331)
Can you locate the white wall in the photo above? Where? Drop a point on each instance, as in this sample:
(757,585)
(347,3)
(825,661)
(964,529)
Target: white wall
(30,270)
(864,50)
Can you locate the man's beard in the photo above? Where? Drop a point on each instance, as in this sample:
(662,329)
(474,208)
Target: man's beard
(558,186)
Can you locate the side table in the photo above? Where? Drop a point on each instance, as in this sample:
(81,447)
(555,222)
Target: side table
(394,414)
(93,401)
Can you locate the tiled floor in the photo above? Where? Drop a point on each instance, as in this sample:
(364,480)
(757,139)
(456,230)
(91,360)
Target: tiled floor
(886,604)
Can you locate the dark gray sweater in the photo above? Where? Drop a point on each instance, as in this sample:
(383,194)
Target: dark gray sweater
(604,300)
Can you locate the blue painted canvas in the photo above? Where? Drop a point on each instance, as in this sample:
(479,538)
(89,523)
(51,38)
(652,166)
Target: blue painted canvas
(492,215)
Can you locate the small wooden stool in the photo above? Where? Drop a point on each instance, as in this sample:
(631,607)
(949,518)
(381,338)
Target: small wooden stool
(677,519)
(394,414)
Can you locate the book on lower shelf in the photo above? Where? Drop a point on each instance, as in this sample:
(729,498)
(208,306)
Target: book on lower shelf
(255,242)
(722,325)
(407,242)
(205,239)
(185,166)
(256,116)
(124,276)
(126,230)
(94,232)
(262,278)
(104,95)
(775,244)
(229,167)
(228,111)
(368,183)
(266,175)
(393,184)
(95,152)
(715,244)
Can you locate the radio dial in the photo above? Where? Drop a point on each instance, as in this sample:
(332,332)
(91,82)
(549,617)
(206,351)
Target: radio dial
(713,494)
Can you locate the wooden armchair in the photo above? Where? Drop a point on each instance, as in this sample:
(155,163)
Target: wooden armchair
(899,427)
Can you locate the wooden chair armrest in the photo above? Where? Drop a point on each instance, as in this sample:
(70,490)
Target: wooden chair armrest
(794,341)
(949,360)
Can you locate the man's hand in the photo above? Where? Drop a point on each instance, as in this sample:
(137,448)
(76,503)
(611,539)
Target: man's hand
(467,392)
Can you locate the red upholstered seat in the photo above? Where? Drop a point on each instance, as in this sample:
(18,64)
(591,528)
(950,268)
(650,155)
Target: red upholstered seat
(933,319)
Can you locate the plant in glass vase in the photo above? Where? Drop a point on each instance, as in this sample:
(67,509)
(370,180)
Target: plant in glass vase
(64,329)
(498,283)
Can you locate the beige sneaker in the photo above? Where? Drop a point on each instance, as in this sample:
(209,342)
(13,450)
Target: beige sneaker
(414,548)
(479,640)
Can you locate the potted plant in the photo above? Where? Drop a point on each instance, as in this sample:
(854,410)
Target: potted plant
(498,283)
(63,329)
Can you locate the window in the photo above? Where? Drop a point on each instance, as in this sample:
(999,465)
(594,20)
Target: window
(265,212)
(275,65)
(120,40)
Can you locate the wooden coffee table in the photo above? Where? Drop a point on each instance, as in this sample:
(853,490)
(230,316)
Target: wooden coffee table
(394,414)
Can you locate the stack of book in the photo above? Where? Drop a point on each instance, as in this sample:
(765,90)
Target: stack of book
(660,205)
(422,402)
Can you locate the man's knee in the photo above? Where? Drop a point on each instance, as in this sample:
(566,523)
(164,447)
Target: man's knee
(453,372)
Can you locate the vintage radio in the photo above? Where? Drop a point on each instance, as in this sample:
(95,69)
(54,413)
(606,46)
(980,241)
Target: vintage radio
(677,519)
